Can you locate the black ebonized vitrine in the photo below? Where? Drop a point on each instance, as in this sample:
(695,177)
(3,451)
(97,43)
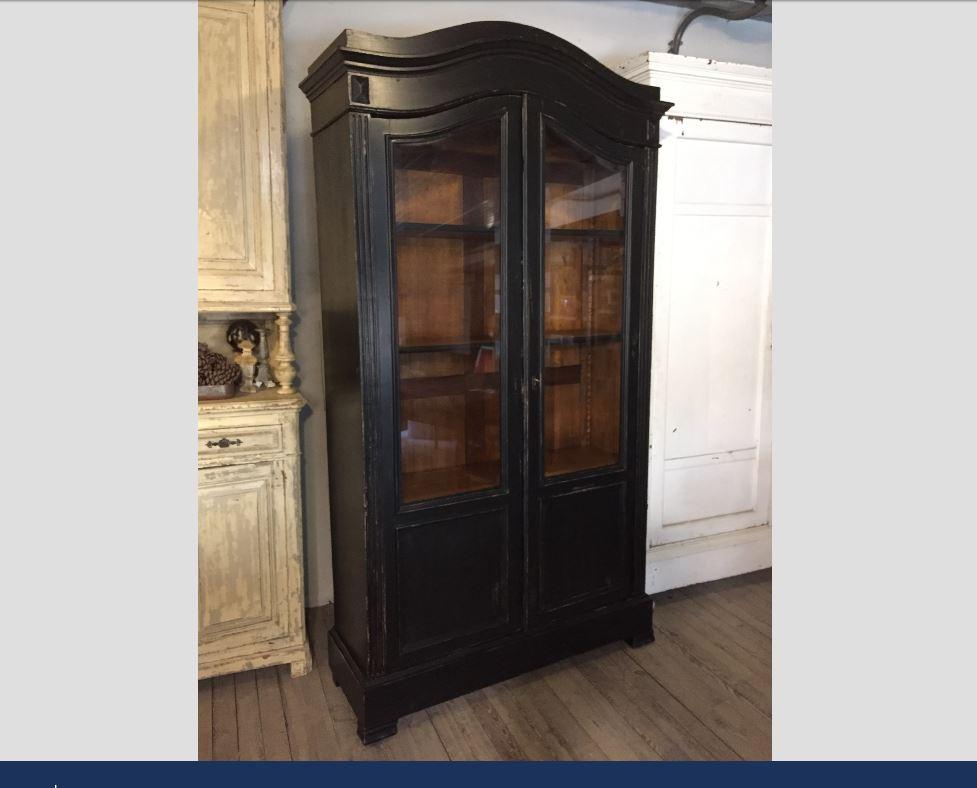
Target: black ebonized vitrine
(485,220)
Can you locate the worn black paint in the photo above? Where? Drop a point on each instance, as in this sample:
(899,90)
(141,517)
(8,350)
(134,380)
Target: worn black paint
(538,568)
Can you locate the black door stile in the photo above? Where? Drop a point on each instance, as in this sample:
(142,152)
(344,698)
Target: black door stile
(603,497)
(466,508)
(533,179)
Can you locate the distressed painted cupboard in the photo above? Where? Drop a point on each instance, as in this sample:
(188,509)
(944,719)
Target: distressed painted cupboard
(250,574)
(485,221)
(251,599)
(242,243)
(709,513)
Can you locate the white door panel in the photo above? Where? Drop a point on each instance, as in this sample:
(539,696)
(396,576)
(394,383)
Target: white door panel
(714,342)
(710,423)
(726,172)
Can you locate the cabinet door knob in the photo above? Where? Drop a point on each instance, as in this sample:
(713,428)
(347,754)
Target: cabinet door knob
(223,443)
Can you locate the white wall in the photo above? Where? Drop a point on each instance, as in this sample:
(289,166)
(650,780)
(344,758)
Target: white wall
(612,31)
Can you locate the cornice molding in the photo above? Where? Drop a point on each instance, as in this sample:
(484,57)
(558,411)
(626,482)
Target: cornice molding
(706,89)
(441,48)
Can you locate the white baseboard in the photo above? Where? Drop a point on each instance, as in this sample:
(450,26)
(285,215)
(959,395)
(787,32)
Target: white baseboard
(708,558)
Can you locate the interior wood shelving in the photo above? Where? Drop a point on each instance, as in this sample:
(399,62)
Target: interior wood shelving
(562,338)
(459,479)
(582,338)
(573,458)
(435,346)
(422,485)
(485,165)
(584,233)
(436,230)
(447,385)
(439,230)
(451,385)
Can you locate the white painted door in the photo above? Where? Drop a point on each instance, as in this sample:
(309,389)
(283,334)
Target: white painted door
(709,470)
(710,360)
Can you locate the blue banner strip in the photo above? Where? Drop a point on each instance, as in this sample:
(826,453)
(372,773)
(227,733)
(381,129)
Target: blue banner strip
(474,775)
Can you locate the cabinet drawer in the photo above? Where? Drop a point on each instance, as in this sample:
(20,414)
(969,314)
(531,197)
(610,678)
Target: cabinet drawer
(233,441)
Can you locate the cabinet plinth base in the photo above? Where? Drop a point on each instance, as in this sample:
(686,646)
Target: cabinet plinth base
(298,658)
(301,666)
(380,701)
(376,734)
(645,636)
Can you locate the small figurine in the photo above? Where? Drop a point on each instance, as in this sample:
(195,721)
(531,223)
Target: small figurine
(247,362)
(262,378)
(242,329)
(251,354)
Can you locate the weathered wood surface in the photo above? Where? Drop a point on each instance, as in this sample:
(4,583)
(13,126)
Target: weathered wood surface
(242,214)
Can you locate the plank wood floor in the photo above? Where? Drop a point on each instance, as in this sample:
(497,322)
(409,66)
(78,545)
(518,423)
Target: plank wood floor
(701,691)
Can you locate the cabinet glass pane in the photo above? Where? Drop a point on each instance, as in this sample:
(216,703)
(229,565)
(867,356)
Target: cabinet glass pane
(584,282)
(447,248)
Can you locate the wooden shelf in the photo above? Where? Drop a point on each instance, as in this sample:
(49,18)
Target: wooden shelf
(435,346)
(581,339)
(441,482)
(432,229)
(577,458)
(447,385)
(470,163)
(453,385)
(435,230)
(477,164)
(583,232)
(261,400)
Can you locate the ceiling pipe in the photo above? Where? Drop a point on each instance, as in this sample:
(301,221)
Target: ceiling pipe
(732,16)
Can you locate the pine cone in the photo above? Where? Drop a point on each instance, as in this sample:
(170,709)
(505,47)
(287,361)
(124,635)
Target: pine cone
(213,369)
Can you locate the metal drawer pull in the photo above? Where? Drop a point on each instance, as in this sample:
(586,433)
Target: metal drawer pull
(223,443)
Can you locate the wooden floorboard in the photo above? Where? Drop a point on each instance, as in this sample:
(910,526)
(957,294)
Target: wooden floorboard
(311,733)
(506,740)
(225,719)
(610,729)
(461,733)
(274,731)
(701,691)
(737,661)
(250,746)
(205,720)
(542,720)
(668,727)
(747,631)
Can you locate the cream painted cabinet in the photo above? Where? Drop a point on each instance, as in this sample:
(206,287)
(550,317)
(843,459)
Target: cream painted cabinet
(243,246)
(710,453)
(250,569)
(251,605)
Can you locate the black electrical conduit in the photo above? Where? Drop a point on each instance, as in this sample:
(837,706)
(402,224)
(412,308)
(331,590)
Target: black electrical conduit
(732,16)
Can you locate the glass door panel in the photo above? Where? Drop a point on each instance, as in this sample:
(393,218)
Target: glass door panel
(583,300)
(447,247)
